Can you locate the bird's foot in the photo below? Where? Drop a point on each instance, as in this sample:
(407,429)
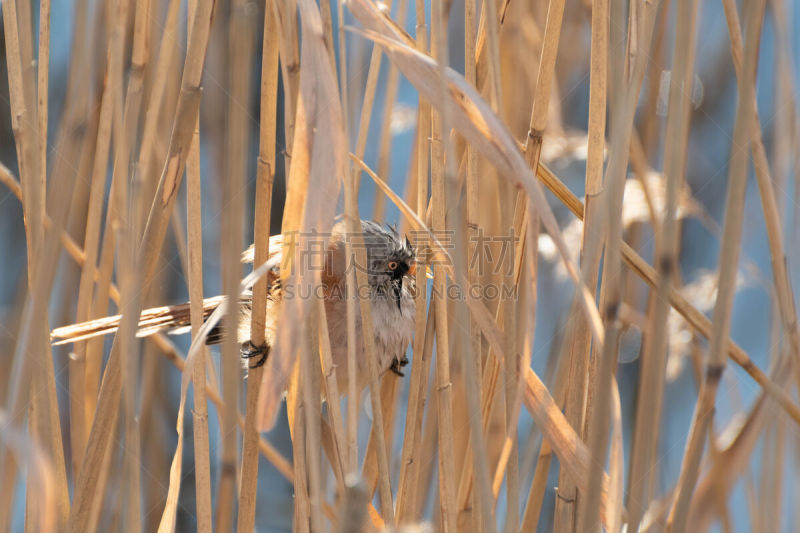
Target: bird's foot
(397,364)
(251,351)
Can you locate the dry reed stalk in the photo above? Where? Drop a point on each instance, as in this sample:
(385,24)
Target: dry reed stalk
(616,465)
(240,49)
(411,454)
(120,218)
(441,171)
(261,232)
(155,231)
(171,353)
(651,123)
(729,261)
(82,412)
(370,467)
(529,227)
(769,205)
(583,357)
(157,99)
(40,384)
(564,517)
(491,375)
(332,396)
(31,456)
(159,340)
(43,85)
(350,281)
(471,216)
(733,458)
(533,505)
(313,186)
(591,241)
(309,353)
(511,366)
(297,410)
(286,22)
(194,272)
(651,381)
(369,101)
(385,139)
(44,421)
(389,387)
(488,30)
(423,328)
(30,349)
(357,249)
(624,107)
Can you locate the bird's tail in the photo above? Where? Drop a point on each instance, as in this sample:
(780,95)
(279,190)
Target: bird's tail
(174,318)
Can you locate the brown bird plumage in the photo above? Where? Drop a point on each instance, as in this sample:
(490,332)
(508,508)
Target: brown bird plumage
(390,265)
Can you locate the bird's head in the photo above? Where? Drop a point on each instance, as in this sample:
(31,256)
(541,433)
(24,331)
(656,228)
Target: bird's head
(390,258)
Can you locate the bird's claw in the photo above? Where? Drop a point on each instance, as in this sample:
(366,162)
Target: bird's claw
(250,350)
(397,364)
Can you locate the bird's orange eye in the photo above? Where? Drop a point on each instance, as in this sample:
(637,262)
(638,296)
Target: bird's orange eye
(392,265)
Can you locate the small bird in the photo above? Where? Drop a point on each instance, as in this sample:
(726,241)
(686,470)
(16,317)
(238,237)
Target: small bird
(391,265)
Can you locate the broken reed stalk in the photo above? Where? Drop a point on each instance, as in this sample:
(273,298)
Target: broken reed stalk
(728,271)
